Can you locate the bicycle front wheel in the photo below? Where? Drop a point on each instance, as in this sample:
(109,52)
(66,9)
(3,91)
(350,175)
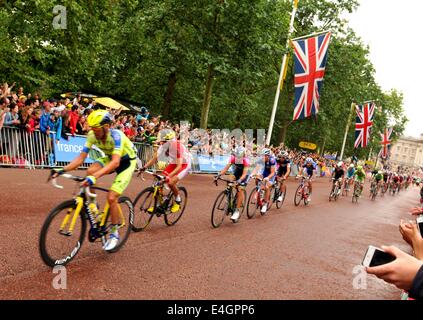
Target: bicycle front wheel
(219,210)
(144,208)
(62,234)
(252,203)
(171,218)
(298,196)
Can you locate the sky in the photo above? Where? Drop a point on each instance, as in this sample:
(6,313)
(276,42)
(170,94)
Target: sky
(393,29)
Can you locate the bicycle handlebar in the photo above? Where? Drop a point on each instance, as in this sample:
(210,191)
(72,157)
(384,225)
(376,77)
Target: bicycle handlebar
(225,180)
(74,178)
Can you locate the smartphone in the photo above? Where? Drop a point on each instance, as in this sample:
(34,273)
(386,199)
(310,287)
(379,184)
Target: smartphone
(419,221)
(376,257)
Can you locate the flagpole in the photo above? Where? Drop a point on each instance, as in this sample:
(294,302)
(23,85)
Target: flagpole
(347,128)
(282,74)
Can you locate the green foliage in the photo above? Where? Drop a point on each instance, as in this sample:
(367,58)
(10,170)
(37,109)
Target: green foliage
(134,48)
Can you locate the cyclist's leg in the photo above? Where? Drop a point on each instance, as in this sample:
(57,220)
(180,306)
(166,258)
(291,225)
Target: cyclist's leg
(121,182)
(310,186)
(178,177)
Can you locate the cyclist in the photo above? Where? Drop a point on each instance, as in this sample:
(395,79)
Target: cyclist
(338,175)
(386,177)
(284,169)
(395,181)
(241,165)
(378,178)
(120,157)
(308,168)
(268,174)
(178,167)
(360,176)
(350,173)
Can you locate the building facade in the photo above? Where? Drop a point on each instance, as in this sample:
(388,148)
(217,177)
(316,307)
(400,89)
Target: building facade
(407,152)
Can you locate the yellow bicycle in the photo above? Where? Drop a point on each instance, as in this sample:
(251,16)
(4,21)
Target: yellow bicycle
(153,201)
(63,232)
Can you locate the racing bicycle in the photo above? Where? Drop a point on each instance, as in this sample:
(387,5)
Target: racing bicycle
(226,202)
(256,199)
(64,229)
(334,194)
(153,201)
(302,192)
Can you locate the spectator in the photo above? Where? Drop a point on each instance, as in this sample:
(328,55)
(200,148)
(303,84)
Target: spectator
(4,109)
(46,123)
(57,123)
(12,117)
(82,125)
(73,119)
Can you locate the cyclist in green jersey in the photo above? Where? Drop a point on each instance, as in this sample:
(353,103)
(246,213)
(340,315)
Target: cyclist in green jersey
(360,176)
(120,157)
(378,177)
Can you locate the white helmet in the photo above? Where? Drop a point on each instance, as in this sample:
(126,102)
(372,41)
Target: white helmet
(265,152)
(340,164)
(309,160)
(239,151)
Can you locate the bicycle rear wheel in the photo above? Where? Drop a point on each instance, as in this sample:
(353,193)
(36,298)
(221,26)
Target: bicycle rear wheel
(272,198)
(58,244)
(298,196)
(280,203)
(126,221)
(219,210)
(252,203)
(143,201)
(171,218)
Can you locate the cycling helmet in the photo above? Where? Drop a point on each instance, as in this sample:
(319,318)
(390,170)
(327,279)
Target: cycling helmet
(352,165)
(99,118)
(380,172)
(340,164)
(239,151)
(167,135)
(359,167)
(309,160)
(265,152)
(283,154)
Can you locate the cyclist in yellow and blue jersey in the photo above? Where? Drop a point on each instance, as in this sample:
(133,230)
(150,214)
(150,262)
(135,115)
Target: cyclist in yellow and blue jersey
(120,157)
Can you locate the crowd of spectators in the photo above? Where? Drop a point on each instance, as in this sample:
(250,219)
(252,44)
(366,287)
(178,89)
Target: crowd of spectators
(67,117)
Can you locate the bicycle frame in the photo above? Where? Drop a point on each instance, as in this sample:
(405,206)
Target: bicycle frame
(81,201)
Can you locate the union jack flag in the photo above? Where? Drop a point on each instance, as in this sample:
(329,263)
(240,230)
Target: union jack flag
(364,123)
(309,66)
(386,143)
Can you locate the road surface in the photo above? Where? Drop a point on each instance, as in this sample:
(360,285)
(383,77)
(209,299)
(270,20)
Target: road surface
(291,253)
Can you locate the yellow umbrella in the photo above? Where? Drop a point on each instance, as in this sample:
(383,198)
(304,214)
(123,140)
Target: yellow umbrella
(109,102)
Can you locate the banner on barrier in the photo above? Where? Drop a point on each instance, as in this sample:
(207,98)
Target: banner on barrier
(67,150)
(211,164)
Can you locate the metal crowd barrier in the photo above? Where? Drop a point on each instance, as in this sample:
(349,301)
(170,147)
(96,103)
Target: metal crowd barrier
(30,150)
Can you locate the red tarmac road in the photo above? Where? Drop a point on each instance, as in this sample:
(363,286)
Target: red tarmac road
(291,253)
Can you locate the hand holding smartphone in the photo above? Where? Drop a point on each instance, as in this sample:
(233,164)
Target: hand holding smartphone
(419,221)
(376,257)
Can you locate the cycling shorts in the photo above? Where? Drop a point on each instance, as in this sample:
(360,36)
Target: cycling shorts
(181,173)
(124,173)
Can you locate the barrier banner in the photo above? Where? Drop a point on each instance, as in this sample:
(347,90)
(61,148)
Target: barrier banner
(212,164)
(67,150)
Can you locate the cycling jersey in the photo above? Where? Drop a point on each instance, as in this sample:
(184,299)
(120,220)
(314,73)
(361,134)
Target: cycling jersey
(116,143)
(385,177)
(360,175)
(379,177)
(239,165)
(174,150)
(350,173)
(309,169)
(338,174)
(268,167)
(283,166)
